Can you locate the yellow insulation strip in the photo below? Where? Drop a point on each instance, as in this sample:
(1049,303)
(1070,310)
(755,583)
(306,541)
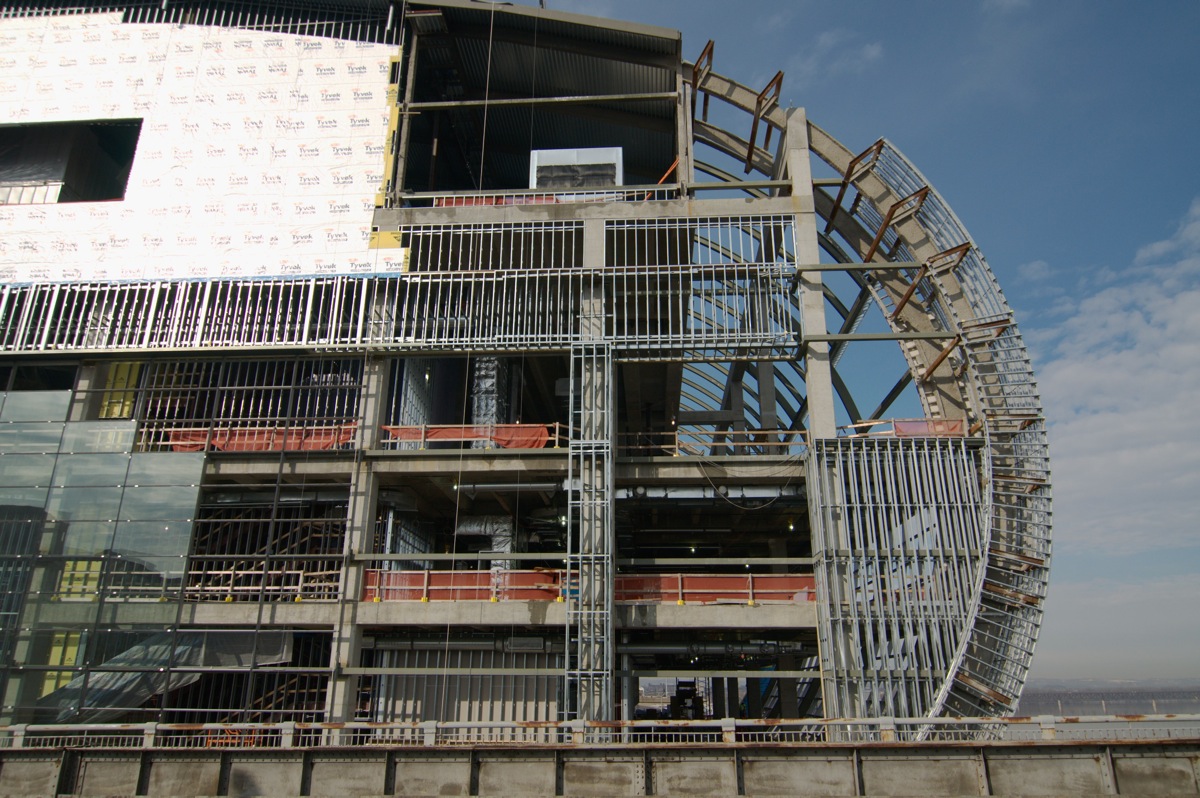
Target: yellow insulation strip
(390,239)
(393,131)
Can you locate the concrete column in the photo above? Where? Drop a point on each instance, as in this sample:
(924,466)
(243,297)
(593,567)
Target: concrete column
(794,159)
(372,404)
(683,132)
(86,401)
(360,530)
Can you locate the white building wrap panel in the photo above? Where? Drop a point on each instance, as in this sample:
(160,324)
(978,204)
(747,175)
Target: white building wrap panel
(260,153)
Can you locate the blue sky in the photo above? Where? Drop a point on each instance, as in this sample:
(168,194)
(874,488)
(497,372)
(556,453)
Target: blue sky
(1064,136)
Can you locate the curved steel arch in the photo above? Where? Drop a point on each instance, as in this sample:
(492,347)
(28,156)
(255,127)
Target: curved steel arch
(983,377)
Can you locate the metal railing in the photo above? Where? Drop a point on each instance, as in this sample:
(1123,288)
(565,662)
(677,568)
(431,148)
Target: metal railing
(717,732)
(276,578)
(553,585)
(461,199)
(691,442)
(502,436)
(906,428)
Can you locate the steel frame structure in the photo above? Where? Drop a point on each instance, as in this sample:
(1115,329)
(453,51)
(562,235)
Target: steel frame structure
(930,549)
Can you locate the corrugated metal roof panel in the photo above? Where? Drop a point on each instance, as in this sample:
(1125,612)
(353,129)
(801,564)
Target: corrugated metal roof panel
(530,19)
(553,73)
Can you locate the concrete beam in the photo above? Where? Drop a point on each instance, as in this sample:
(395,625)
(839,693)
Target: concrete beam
(717,616)
(753,470)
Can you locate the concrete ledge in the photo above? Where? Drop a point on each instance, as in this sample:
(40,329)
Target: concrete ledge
(1076,769)
(702,616)
(483,613)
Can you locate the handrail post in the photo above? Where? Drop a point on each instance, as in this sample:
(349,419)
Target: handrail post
(288,737)
(429,731)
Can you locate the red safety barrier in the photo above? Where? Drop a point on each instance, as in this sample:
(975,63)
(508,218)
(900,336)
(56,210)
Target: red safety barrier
(507,436)
(928,428)
(716,588)
(227,439)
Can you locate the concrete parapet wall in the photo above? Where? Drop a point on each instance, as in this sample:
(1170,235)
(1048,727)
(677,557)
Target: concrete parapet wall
(1074,769)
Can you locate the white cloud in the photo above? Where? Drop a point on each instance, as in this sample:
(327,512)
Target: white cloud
(1119,383)
(834,53)
(1186,240)
(1034,271)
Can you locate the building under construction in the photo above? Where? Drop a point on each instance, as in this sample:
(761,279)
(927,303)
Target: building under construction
(440,360)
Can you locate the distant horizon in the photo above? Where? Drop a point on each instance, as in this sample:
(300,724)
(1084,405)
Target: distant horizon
(1044,682)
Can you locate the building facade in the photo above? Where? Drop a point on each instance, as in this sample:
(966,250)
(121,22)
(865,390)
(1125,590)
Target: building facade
(449,361)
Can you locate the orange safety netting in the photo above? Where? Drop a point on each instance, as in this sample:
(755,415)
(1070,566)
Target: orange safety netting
(508,436)
(928,428)
(261,440)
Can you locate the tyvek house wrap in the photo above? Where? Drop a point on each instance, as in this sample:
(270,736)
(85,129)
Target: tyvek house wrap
(260,153)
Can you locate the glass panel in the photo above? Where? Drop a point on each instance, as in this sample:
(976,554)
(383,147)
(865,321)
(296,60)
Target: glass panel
(33,499)
(143,577)
(91,469)
(166,469)
(20,470)
(76,580)
(143,504)
(87,538)
(36,406)
(98,436)
(18,536)
(36,437)
(88,504)
(157,538)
